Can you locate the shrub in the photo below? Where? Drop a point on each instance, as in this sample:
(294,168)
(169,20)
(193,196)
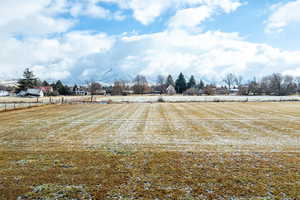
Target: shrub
(160,99)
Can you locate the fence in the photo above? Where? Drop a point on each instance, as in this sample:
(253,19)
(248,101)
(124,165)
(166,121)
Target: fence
(34,102)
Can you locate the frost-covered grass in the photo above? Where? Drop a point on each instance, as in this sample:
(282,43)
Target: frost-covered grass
(237,150)
(179,98)
(127,174)
(163,126)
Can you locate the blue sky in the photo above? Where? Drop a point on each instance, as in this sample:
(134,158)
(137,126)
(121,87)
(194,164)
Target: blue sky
(80,40)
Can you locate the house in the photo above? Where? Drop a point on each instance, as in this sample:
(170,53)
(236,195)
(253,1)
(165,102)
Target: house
(22,93)
(81,91)
(221,91)
(46,89)
(4,93)
(127,92)
(36,92)
(171,90)
(234,91)
(192,92)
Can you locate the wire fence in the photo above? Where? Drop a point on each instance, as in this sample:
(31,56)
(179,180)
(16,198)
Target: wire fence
(34,102)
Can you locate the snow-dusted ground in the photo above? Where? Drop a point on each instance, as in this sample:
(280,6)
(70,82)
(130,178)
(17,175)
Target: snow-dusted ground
(143,99)
(181,127)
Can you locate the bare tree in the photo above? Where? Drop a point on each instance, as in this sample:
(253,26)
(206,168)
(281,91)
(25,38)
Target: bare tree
(94,87)
(277,84)
(297,80)
(140,85)
(253,87)
(239,81)
(161,83)
(276,81)
(229,80)
(289,85)
(118,88)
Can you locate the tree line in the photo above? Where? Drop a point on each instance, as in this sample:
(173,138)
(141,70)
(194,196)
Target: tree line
(29,80)
(275,84)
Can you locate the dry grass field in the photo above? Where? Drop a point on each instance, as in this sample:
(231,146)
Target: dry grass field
(151,151)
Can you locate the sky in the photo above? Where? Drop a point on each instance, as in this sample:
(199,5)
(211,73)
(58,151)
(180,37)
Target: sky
(104,40)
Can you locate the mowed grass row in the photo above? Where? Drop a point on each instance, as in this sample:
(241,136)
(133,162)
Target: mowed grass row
(151,151)
(158,126)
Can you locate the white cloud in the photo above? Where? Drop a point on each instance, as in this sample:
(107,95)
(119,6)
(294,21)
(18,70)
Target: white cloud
(47,45)
(282,15)
(293,72)
(190,17)
(33,17)
(86,55)
(50,58)
(208,54)
(90,8)
(146,11)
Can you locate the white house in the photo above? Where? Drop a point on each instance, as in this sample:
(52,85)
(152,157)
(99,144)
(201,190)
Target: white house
(171,90)
(4,93)
(35,92)
(81,92)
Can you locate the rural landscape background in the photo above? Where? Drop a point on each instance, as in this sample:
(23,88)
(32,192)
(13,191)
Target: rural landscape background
(136,99)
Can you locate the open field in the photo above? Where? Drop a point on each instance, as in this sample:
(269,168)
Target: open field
(152,151)
(180,98)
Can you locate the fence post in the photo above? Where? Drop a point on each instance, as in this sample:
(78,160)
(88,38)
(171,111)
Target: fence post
(5,107)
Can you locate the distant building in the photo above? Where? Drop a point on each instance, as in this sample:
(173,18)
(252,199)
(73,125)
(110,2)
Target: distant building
(46,89)
(171,90)
(192,92)
(81,91)
(234,91)
(36,92)
(22,93)
(221,91)
(4,93)
(127,92)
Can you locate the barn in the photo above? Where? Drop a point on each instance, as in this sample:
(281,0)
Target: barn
(36,92)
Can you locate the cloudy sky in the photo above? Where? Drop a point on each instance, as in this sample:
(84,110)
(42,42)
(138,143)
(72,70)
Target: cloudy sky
(104,40)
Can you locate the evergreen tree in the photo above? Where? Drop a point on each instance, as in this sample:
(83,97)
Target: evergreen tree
(28,81)
(180,84)
(191,83)
(75,87)
(61,88)
(170,81)
(45,83)
(201,85)
(58,85)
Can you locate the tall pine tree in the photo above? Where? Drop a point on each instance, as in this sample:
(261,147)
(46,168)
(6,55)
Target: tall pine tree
(28,81)
(191,83)
(180,84)
(170,81)
(201,85)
